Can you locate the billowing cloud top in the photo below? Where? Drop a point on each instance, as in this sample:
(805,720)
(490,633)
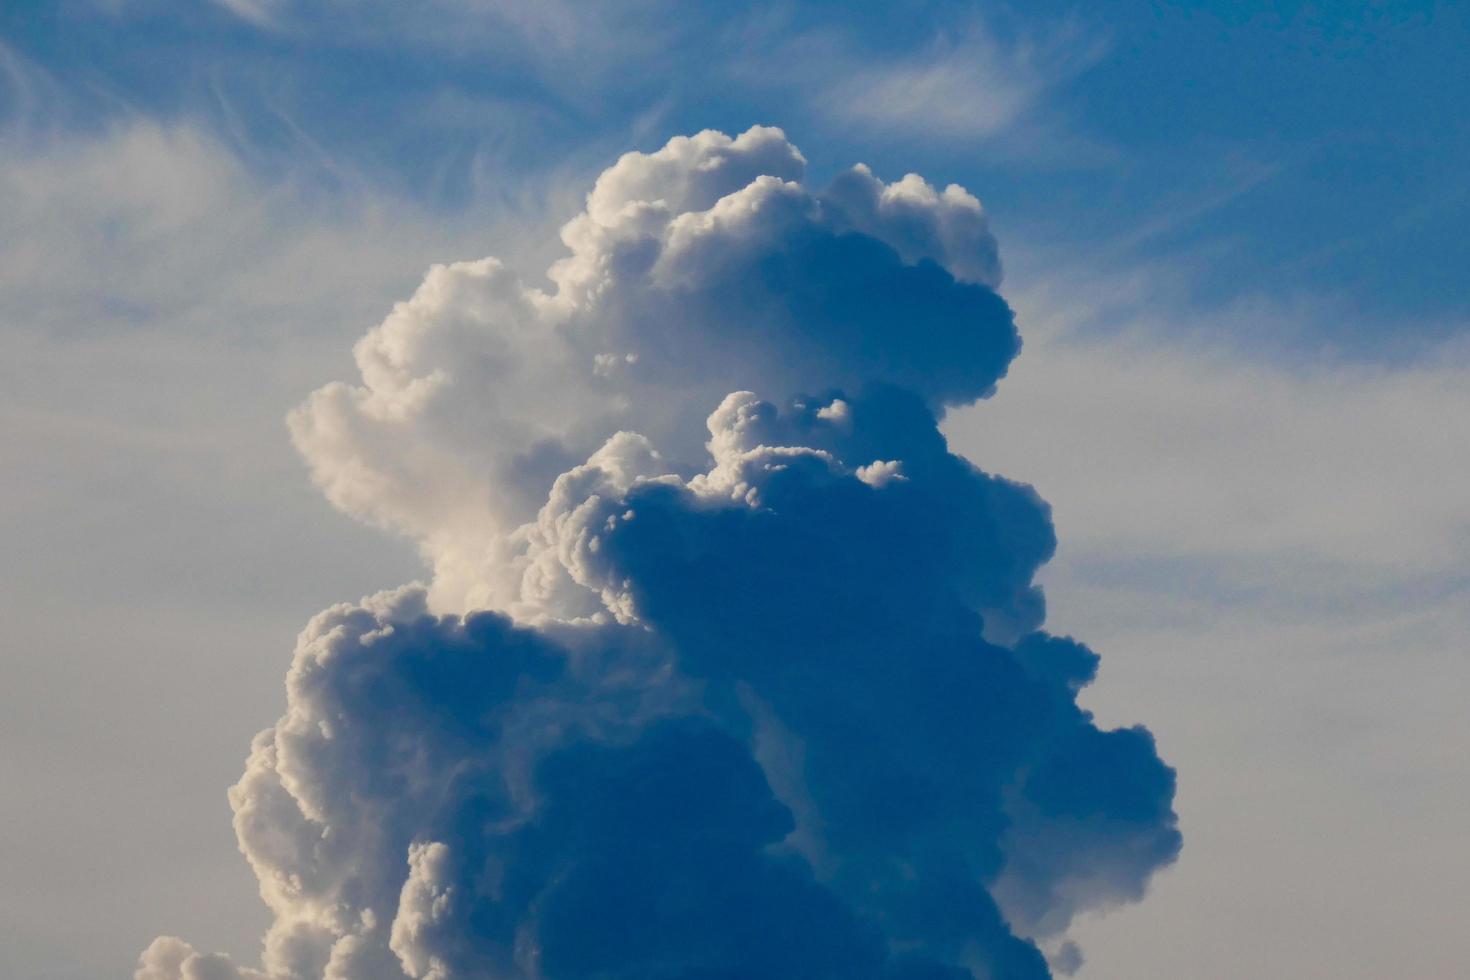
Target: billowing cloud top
(701,269)
(728,668)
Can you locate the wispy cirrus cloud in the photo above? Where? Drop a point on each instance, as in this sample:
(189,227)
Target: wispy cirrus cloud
(967,82)
(542,34)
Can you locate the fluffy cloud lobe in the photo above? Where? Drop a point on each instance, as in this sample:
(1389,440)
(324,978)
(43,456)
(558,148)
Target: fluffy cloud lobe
(728,668)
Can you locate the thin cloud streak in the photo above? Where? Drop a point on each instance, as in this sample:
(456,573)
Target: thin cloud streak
(1351,468)
(967,84)
(964,84)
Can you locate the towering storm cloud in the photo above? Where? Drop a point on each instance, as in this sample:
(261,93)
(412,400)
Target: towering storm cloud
(728,668)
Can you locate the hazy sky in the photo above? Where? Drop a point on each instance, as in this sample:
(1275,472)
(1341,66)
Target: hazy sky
(1233,236)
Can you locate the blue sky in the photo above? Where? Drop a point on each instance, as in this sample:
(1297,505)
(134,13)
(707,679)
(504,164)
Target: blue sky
(1233,236)
(1291,146)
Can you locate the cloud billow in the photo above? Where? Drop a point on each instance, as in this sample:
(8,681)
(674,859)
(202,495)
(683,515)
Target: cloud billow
(728,667)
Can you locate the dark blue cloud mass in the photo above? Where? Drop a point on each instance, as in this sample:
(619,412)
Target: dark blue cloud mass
(776,706)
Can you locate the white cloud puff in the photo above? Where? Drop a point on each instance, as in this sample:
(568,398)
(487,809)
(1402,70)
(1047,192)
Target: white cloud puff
(702,268)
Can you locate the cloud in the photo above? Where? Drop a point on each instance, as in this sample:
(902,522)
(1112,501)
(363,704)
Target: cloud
(1309,472)
(161,303)
(548,38)
(261,13)
(728,667)
(966,87)
(1268,538)
(694,271)
(146,207)
(968,82)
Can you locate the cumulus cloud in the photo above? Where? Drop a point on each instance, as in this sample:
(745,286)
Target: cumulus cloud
(728,666)
(700,269)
